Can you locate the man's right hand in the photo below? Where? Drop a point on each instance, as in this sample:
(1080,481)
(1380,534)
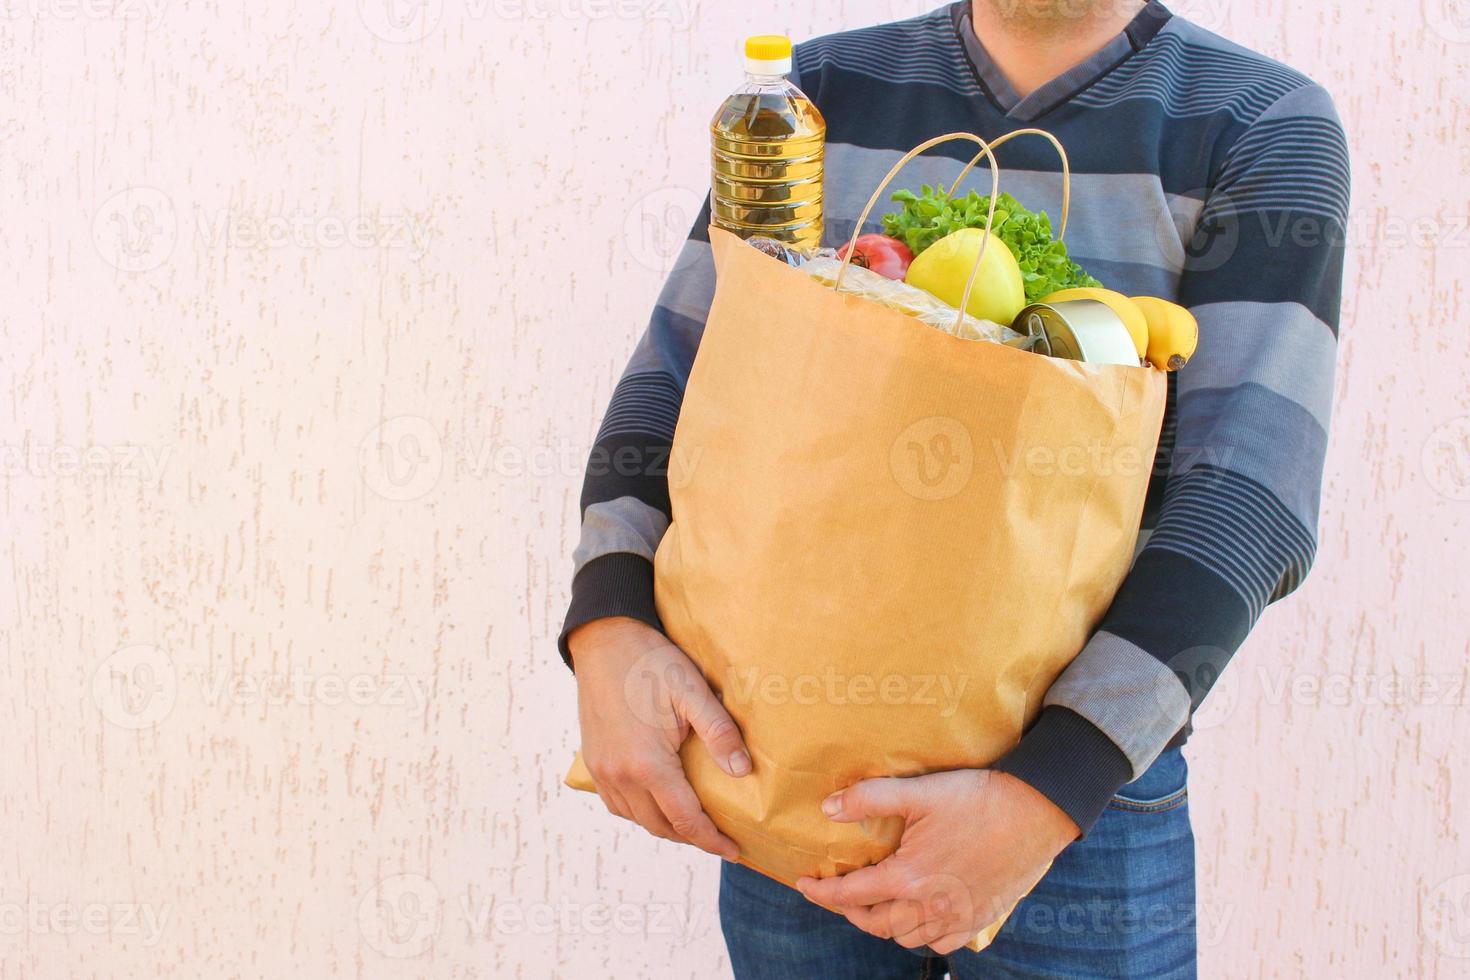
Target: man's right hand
(638,696)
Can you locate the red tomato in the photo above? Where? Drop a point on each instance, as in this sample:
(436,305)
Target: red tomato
(886,256)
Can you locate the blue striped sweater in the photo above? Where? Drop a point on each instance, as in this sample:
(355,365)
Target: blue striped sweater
(1203,173)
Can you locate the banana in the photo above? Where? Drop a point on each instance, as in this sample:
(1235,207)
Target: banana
(1173,332)
(1125,308)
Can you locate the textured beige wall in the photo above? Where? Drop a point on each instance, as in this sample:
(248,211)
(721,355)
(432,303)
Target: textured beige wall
(309,313)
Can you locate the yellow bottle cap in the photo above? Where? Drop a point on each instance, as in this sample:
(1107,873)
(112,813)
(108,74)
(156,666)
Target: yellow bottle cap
(767,47)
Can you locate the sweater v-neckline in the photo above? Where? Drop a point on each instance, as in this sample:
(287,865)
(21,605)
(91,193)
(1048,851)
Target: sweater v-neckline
(1139,31)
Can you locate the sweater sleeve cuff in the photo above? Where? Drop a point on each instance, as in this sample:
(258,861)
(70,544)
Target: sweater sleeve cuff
(1069,760)
(617,584)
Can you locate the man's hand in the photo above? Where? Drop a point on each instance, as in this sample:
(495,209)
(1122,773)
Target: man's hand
(974,841)
(637,697)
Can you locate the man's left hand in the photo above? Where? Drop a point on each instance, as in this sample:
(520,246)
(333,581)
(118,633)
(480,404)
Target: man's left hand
(974,842)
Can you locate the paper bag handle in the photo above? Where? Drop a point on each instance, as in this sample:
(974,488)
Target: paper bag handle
(893,172)
(986,153)
(1061,152)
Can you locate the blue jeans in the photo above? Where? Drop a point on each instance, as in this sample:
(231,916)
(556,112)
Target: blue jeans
(1119,903)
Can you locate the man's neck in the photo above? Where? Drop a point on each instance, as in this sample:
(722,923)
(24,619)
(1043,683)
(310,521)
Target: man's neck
(1034,41)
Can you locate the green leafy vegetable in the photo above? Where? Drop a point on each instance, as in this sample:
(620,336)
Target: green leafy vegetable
(928,216)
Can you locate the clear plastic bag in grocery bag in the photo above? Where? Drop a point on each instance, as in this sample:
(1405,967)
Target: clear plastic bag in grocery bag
(922,306)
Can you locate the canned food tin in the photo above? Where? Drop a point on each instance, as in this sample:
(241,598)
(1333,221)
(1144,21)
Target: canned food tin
(1077,330)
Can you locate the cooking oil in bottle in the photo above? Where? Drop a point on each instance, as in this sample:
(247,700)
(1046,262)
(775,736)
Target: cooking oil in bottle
(766,152)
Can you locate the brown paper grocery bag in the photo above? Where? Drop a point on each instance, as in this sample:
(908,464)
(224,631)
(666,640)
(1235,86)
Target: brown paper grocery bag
(886,544)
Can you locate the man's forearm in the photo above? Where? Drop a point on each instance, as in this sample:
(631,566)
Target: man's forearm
(625,494)
(625,510)
(1237,525)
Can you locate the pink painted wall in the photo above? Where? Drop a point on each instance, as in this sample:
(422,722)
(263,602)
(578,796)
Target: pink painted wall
(276,702)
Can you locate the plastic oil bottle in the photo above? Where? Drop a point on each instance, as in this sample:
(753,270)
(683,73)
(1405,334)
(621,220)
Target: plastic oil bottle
(766,152)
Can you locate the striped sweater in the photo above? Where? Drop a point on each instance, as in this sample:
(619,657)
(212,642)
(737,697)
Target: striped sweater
(1202,173)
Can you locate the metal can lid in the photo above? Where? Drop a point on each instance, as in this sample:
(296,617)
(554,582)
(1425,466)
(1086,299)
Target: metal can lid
(1078,330)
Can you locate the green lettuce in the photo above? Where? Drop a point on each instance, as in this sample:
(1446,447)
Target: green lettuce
(928,216)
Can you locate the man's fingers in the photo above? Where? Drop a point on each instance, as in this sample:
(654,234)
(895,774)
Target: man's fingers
(876,883)
(614,801)
(680,806)
(646,814)
(950,943)
(926,934)
(873,920)
(714,726)
(655,794)
(911,923)
(887,796)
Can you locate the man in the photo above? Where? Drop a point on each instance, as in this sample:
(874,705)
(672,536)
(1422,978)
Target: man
(1166,124)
